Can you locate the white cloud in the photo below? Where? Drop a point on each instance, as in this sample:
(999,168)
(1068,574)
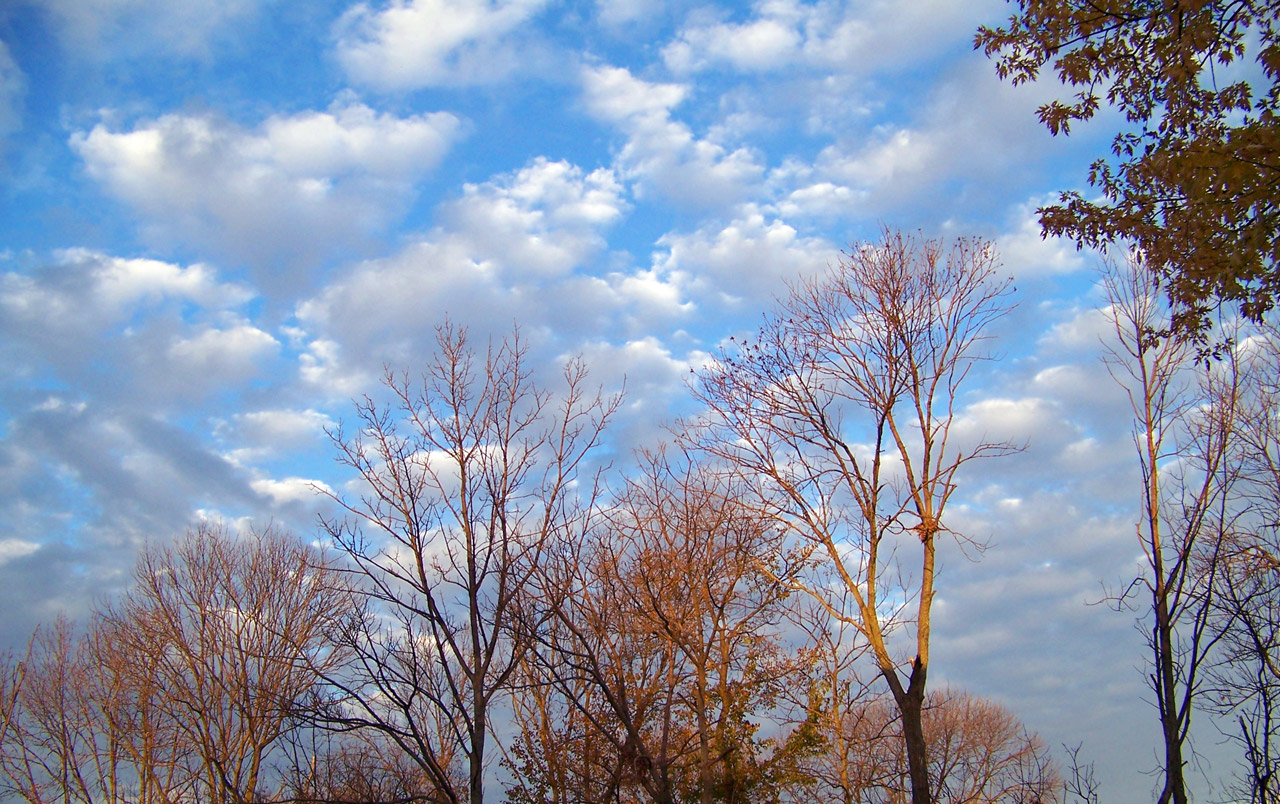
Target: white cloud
(655,373)
(661,153)
(845,37)
(501,254)
(1029,254)
(972,126)
(282,428)
(655,294)
(288,193)
(410,44)
(290,490)
(761,44)
(85,293)
(1085,330)
(15,548)
(543,220)
(823,199)
(130,328)
(1012,421)
(223,356)
(615,95)
(742,265)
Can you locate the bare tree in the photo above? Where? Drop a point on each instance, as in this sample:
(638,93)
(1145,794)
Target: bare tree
(80,728)
(1184,425)
(1244,679)
(464,479)
(839,414)
(697,578)
(361,767)
(840,755)
(50,742)
(131,708)
(979,751)
(557,757)
(665,621)
(223,636)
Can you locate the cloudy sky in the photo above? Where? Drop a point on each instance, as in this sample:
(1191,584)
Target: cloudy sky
(219,219)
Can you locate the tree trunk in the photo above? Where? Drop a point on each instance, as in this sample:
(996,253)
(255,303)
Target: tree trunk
(910,703)
(1175,789)
(476,765)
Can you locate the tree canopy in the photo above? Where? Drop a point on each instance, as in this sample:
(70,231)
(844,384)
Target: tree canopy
(1193,181)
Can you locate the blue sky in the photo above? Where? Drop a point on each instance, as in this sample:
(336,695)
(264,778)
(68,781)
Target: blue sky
(219,219)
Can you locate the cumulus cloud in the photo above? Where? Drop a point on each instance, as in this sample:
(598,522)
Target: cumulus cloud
(545,219)
(744,264)
(16,548)
(83,295)
(972,125)
(1029,254)
(290,491)
(842,36)
(662,154)
(410,44)
(122,328)
(230,354)
(279,429)
(507,249)
(1083,330)
(290,192)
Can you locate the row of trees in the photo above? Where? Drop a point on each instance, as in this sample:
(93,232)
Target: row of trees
(743,616)
(202,698)
(696,631)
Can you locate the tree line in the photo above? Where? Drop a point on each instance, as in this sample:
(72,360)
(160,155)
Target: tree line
(744,615)
(495,606)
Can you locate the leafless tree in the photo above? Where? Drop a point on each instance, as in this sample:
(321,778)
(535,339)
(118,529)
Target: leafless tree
(699,584)
(978,752)
(464,479)
(667,621)
(142,729)
(361,767)
(1185,420)
(50,744)
(84,728)
(225,634)
(839,413)
(840,756)
(1244,679)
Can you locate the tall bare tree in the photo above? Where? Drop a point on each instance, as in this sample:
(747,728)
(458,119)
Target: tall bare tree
(1185,422)
(840,414)
(465,478)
